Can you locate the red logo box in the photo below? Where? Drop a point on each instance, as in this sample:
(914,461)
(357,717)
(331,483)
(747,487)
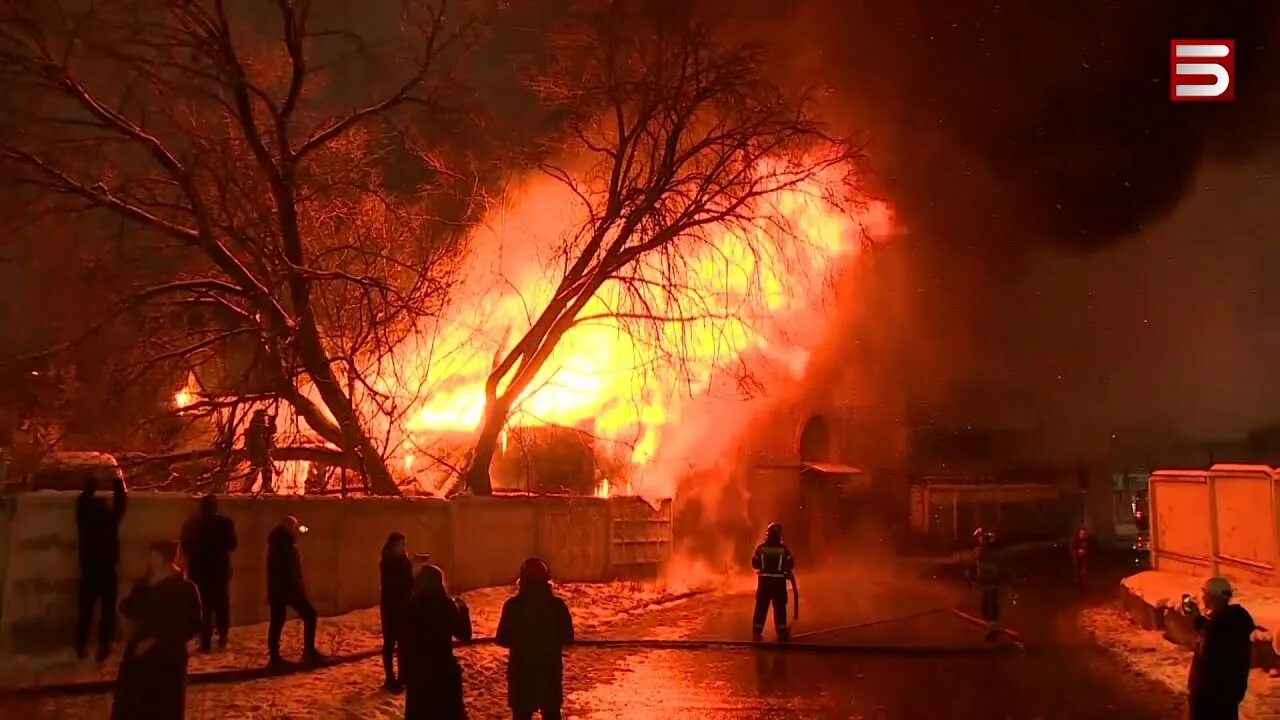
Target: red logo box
(1202,70)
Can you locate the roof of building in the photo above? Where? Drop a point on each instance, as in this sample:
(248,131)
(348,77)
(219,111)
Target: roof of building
(827,468)
(76,460)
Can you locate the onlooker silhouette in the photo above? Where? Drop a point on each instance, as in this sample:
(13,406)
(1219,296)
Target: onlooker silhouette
(98,528)
(535,626)
(393,605)
(285,590)
(1220,668)
(164,611)
(431,674)
(208,539)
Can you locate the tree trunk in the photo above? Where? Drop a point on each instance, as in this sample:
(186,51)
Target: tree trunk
(375,468)
(476,474)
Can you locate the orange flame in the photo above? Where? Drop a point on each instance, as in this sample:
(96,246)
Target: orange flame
(188,395)
(736,299)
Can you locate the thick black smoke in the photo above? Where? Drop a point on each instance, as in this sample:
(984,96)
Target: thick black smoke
(1061,110)
(1056,278)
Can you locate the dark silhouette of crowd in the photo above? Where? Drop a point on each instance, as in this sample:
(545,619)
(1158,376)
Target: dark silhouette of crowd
(186,594)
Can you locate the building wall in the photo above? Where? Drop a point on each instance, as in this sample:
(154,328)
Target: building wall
(859,436)
(477,541)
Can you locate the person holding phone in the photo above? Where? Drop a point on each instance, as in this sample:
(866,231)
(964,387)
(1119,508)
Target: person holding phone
(1219,674)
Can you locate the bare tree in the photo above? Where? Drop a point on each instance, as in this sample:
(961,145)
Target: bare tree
(675,135)
(278,158)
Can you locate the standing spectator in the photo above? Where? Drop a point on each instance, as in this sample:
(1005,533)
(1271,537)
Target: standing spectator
(98,530)
(285,590)
(208,539)
(164,611)
(259,441)
(432,675)
(535,626)
(393,606)
(1220,668)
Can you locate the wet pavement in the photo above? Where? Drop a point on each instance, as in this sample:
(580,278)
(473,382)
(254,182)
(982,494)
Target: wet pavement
(1059,675)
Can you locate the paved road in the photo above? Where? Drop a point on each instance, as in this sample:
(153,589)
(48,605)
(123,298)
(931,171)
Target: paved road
(1060,675)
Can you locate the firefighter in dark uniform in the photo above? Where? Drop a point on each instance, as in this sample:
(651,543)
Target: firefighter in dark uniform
(984,569)
(259,440)
(774,566)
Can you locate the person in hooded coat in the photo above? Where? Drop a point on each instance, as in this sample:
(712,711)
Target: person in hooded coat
(535,626)
(164,610)
(393,605)
(431,674)
(1219,675)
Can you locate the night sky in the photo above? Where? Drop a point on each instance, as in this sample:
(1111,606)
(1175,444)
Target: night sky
(1083,257)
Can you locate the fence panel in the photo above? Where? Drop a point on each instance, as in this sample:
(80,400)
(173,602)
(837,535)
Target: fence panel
(1181,534)
(640,538)
(1246,521)
(1224,521)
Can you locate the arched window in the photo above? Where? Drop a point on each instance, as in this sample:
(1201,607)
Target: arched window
(815,440)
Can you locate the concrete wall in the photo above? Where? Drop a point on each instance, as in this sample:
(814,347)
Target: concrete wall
(478,541)
(1223,521)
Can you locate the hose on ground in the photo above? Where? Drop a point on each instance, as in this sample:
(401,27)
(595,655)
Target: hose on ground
(245,674)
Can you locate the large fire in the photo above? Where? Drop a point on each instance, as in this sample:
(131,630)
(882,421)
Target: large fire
(737,302)
(657,398)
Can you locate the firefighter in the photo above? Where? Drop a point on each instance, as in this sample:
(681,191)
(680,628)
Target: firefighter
(1081,547)
(985,571)
(774,566)
(259,440)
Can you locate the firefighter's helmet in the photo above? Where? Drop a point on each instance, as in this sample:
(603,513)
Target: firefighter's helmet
(774,531)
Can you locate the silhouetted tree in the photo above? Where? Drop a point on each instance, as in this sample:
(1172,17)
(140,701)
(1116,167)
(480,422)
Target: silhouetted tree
(673,134)
(280,161)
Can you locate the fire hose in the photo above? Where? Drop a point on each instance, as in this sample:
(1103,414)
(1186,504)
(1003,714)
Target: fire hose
(246,674)
(795,595)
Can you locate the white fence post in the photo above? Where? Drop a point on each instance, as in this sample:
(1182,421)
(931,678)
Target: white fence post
(1211,482)
(1153,546)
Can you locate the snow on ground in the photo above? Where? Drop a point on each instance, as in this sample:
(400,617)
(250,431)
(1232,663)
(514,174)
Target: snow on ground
(1158,588)
(592,605)
(352,690)
(1150,654)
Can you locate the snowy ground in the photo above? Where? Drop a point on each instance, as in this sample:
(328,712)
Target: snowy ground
(1148,653)
(1166,589)
(593,605)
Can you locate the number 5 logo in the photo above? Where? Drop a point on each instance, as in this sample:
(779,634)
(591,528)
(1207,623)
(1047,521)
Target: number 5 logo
(1202,70)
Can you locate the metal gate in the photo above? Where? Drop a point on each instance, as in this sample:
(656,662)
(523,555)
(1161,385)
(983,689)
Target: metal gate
(640,537)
